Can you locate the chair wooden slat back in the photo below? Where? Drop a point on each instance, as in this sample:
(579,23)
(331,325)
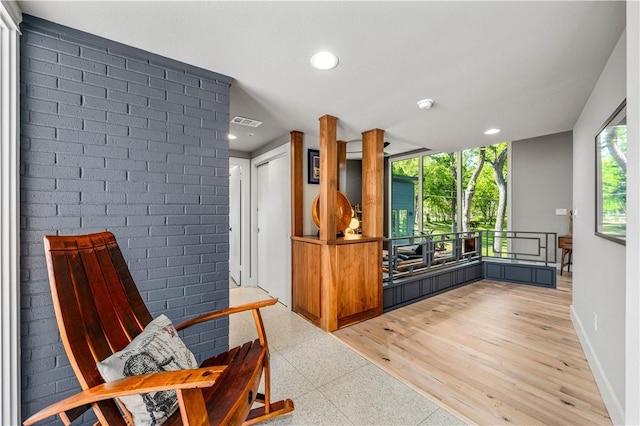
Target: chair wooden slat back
(99,311)
(98,307)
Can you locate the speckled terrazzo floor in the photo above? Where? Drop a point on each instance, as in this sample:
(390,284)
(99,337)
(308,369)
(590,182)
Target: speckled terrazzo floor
(329,383)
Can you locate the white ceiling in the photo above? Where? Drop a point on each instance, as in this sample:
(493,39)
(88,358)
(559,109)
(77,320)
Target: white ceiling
(524,67)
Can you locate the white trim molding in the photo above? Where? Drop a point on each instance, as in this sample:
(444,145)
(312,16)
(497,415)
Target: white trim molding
(611,402)
(9,216)
(245,219)
(632,321)
(12,11)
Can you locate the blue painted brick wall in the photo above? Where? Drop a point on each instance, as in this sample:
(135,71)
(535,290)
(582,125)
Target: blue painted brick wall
(120,139)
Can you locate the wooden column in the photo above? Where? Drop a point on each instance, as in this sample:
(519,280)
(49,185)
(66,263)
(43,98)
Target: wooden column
(297,179)
(329,283)
(328,177)
(372,183)
(342,166)
(338,281)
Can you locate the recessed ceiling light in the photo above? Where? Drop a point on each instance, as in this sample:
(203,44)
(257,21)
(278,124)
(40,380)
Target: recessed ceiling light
(492,131)
(324,61)
(232,137)
(425,103)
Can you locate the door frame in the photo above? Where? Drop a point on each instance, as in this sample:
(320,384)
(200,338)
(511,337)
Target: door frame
(245,218)
(282,150)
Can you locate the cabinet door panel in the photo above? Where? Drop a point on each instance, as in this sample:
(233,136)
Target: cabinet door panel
(360,280)
(306,280)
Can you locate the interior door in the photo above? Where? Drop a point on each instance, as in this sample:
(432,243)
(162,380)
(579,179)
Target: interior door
(274,245)
(279,230)
(263,226)
(235,224)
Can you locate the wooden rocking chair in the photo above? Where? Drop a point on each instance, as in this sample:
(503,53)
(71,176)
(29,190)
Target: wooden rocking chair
(99,311)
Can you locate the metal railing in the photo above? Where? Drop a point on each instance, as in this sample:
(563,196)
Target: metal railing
(525,246)
(416,254)
(410,255)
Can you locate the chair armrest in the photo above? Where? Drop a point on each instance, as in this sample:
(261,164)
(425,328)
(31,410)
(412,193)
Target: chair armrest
(152,382)
(254,306)
(227,311)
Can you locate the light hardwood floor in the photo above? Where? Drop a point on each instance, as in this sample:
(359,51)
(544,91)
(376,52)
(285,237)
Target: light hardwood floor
(490,352)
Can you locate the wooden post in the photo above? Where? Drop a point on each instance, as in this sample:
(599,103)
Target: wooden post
(342,166)
(372,183)
(338,281)
(328,177)
(328,295)
(297,179)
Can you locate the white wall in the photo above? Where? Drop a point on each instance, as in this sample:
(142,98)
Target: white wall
(541,182)
(599,264)
(632,411)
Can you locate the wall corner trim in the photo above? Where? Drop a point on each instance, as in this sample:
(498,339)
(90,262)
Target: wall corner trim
(9,221)
(12,9)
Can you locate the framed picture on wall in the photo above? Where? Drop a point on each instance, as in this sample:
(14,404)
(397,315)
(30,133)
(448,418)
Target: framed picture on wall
(313,166)
(611,177)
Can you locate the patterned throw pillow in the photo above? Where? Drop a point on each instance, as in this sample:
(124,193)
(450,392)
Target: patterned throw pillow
(157,348)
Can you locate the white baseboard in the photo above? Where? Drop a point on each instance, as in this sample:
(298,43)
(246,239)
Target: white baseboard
(611,402)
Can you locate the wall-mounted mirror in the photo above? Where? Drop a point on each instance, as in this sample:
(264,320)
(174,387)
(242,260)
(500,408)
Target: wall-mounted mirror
(611,177)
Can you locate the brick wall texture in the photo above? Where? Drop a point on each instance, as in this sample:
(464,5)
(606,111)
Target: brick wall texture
(114,138)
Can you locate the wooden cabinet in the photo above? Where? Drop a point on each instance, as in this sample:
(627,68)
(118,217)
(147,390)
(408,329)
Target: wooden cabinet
(306,288)
(337,283)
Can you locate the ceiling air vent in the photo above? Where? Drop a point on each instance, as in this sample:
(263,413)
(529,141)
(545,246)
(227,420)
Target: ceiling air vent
(244,121)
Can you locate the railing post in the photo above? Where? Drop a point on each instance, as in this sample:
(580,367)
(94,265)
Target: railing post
(483,239)
(394,250)
(425,248)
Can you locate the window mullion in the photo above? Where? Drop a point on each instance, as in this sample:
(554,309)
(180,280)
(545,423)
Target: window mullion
(420,196)
(459,191)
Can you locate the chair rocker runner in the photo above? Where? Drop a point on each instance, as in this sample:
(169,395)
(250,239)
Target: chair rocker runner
(100,311)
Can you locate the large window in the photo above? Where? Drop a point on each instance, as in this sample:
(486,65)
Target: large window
(450,192)
(439,193)
(405,179)
(611,177)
